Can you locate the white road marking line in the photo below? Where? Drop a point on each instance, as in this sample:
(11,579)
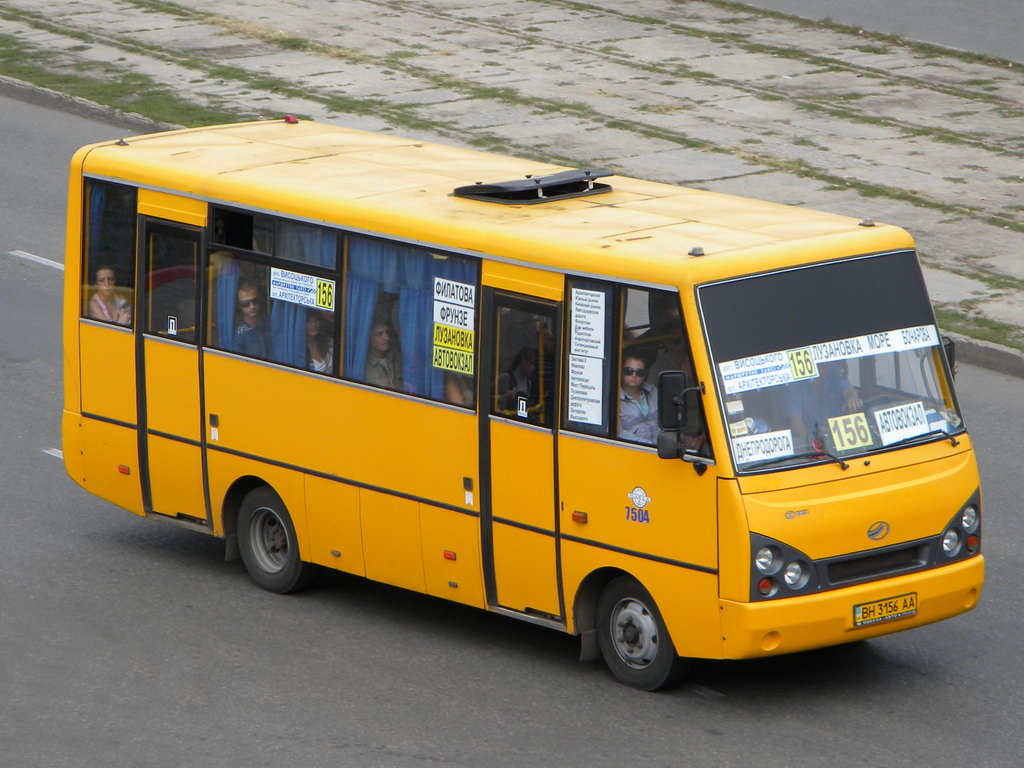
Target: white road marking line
(37,259)
(57,453)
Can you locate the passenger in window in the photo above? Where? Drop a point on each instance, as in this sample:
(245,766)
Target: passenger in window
(105,304)
(250,335)
(319,351)
(458,388)
(384,362)
(638,402)
(518,381)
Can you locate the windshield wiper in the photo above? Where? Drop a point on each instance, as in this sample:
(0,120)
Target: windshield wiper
(804,455)
(930,433)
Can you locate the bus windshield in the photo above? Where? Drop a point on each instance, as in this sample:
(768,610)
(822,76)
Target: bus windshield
(826,362)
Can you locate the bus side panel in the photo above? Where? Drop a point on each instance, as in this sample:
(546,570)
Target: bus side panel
(175,478)
(332,519)
(687,599)
(408,445)
(391,539)
(451,555)
(72,446)
(734,557)
(110,463)
(108,373)
(636,501)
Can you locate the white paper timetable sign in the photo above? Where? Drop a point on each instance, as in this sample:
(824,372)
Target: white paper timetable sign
(588,315)
(586,356)
(454,323)
(302,289)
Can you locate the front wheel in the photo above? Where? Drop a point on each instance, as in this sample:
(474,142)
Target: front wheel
(267,543)
(634,641)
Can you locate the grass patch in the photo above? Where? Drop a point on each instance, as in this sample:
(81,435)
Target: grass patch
(123,91)
(977,326)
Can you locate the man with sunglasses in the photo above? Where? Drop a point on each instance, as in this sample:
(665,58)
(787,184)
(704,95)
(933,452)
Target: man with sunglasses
(638,402)
(250,337)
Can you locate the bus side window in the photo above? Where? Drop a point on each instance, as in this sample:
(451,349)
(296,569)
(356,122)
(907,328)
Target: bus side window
(654,340)
(410,320)
(171,259)
(524,369)
(108,294)
(238,306)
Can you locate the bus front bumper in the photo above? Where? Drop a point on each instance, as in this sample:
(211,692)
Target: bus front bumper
(793,624)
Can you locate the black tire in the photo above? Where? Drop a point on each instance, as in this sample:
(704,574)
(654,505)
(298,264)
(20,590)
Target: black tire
(634,641)
(267,543)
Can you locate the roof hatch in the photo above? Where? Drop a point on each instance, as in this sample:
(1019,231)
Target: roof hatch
(537,189)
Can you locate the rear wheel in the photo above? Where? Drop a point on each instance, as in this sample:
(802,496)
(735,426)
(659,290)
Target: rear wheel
(634,641)
(267,543)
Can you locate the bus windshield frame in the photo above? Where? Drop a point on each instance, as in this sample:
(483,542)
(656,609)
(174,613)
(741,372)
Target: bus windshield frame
(828,362)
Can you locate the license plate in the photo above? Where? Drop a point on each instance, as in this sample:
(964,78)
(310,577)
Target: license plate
(889,609)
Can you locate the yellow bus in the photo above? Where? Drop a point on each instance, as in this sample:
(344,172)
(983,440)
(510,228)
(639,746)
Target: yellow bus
(676,423)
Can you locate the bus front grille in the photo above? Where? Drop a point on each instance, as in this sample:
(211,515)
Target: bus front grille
(877,564)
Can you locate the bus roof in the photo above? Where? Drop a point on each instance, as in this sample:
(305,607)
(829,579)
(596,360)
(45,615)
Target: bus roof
(402,187)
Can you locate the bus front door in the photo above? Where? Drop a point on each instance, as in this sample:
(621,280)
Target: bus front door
(170,419)
(518,411)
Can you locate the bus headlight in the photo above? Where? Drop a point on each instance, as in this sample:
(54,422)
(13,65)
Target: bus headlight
(951,543)
(969,518)
(962,537)
(778,570)
(768,560)
(796,575)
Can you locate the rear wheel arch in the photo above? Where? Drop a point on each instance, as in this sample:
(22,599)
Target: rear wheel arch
(585,609)
(229,509)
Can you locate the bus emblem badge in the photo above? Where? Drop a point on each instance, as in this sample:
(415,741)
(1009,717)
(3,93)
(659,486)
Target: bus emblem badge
(639,497)
(878,531)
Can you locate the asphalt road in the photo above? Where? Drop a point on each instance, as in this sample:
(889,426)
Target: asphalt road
(124,642)
(982,26)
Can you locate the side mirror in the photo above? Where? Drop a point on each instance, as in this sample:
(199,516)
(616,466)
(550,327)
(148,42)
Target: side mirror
(672,386)
(949,347)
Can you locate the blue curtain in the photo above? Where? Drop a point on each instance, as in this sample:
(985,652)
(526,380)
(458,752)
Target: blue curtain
(288,333)
(415,312)
(97,200)
(312,245)
(360,304)
(226,290)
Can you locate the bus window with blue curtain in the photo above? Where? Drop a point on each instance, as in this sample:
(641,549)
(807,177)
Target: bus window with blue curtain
(302,322)
(410,320)
(108,274)
(238,306)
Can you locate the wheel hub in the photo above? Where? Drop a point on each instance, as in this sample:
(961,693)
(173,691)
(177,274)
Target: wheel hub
(269,541)
(634,633)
